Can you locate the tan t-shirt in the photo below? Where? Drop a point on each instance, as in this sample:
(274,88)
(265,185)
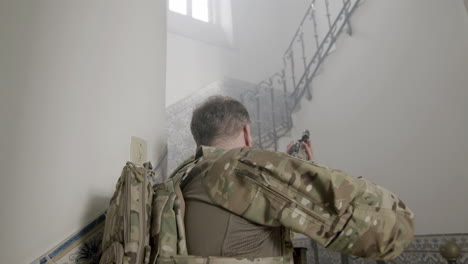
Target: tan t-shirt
(213,231)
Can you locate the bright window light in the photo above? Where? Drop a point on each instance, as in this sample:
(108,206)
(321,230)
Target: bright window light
(200,10)
(178,6)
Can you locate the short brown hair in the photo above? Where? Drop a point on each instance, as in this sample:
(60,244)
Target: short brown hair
(219,117)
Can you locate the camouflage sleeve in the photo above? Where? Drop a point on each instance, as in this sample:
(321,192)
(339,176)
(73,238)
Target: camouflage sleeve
(340,212)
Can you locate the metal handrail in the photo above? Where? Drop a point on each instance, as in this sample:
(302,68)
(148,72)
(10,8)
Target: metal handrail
(292,96)
(300,25)
(316,55)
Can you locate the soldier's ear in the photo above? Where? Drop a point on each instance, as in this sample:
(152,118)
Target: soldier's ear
(247,136)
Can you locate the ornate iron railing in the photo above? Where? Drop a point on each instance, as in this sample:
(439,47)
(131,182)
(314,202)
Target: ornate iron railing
(314,39)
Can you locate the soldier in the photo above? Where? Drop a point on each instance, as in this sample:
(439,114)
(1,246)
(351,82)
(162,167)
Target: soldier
(242,201)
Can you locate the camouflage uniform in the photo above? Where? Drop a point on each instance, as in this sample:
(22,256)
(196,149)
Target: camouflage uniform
(340,212)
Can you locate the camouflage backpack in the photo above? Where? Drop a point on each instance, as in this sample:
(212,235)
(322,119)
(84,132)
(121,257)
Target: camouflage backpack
(126,231)
(168,229)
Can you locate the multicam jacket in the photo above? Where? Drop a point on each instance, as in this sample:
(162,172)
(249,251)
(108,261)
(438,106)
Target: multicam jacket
(338,211)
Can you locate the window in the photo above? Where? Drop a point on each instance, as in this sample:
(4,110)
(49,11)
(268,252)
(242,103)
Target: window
(178,6)
(197,9)
(208,21)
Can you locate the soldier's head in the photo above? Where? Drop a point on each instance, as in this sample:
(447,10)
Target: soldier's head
(221,121)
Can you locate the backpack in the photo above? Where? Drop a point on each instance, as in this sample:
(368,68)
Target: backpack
(145,223)
(127,225)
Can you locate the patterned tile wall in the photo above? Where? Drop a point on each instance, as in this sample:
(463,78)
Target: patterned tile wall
(423,249)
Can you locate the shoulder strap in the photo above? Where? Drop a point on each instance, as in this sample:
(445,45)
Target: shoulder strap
(182,166)
(168,228)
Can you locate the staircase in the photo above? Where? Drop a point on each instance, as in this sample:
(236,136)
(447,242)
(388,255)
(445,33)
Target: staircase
(271,102)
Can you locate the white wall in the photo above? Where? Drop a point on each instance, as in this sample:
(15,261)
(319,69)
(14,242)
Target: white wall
(77,80)
(262,30)
(390,105)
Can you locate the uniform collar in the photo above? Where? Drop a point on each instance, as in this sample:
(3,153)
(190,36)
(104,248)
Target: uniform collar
(208,151)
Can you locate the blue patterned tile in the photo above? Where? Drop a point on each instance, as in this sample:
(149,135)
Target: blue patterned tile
(41,260)
(86,252)
(423,249)
(76,239)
